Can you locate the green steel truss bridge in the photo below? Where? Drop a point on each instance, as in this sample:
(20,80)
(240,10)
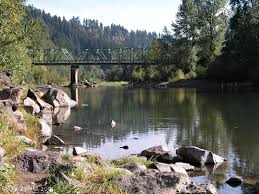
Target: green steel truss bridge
(116,56)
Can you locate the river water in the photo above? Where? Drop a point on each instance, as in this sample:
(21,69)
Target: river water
(224,122)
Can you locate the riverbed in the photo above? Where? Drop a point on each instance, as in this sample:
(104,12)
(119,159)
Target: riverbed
(224,122)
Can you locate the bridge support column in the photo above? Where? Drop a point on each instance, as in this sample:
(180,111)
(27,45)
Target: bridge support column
(74,75)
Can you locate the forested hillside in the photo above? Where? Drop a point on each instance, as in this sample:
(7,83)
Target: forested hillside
(75,36)
(207,40)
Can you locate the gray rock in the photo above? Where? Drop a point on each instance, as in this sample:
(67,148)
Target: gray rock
(26,140)
(40,162)
(13,93)
(132,167)
(16,119)
(151,181)
(53,140)
(5,104)
(200,189)
(2,152)
(192,154)
(58,98)
(234,181)
(46,131)
(42,104)
(61,114)
(186,166)
(162,167)
(161,153)
(79,151)
(31,106)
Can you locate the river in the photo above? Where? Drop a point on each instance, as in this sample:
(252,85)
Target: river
(224,122)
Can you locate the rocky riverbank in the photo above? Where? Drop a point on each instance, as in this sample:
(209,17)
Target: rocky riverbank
(202,84)
(27,116)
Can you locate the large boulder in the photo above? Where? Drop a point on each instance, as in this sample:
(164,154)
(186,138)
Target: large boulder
(13,93)
(58,98)
(195,155)
(134,167)
(152,181)
(162,167)
(61,114)
(53,140)
(161,154)
(42,104)
(40,162)
(31,106)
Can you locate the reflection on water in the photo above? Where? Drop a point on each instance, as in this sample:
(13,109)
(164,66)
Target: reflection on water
(226,123)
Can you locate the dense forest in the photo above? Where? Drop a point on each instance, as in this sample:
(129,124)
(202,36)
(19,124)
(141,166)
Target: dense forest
(209,39)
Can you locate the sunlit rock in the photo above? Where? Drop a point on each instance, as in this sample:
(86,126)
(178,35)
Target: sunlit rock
(79,151)
(192,154)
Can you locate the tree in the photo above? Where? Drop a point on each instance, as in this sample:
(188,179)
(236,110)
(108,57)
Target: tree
(186,33)
(212,22)
(13,39)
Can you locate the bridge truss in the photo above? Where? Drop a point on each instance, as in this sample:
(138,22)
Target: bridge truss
(121,56)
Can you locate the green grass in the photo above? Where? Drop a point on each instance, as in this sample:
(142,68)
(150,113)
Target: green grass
(32,124)
(8,178)
(95,175)
(133,159)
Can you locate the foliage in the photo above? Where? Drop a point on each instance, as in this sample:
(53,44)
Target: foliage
(14,33)
(240,58)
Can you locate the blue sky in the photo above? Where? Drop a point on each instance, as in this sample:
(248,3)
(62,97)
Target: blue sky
(151,15)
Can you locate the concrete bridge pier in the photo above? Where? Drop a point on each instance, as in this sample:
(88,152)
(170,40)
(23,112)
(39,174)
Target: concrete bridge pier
(74,75)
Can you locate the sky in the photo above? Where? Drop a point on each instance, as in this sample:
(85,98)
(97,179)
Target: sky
(150,15)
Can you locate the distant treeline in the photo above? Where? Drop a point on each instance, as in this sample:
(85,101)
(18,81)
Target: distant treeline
(207,40)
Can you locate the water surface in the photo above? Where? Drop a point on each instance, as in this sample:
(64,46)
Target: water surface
(226,123)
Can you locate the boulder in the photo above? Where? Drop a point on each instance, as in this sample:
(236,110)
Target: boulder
(2,152)
(40,162)
(42,104)
(195,155)
(234,181)
(6,104)
(161,153)
(186,166)
(162,167)
(79,151)
(200,189)
(61,114)
(53,140)
(58,98)
(133,167)
(46,131)
(25,140)
(151,181)
(31,106)
(16,119)
(13,93)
